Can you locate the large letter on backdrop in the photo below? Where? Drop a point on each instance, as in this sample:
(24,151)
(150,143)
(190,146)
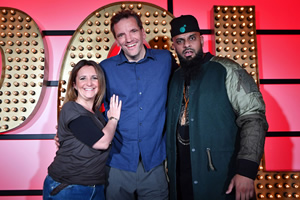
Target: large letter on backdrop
(22,68)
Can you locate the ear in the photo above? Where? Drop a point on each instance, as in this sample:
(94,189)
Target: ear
(74,85)
(201,40)
(144,34)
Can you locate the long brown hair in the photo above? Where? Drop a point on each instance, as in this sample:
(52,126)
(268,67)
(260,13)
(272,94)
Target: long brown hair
(72,93)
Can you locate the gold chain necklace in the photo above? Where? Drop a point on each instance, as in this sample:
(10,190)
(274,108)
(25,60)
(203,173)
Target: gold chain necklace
(186,101)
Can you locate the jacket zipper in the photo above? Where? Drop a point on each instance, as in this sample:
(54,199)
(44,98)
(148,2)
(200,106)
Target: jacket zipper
(210,164)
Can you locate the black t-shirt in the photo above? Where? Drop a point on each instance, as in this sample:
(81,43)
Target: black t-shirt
(75,161)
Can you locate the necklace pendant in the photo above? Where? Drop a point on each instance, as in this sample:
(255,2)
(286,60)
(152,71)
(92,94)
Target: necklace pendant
(183,119)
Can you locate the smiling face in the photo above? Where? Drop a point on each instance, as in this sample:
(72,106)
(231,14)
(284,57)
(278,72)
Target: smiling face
(187,45)
(129,36)
(86,83)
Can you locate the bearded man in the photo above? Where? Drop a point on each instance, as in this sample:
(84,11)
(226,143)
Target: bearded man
(216,122)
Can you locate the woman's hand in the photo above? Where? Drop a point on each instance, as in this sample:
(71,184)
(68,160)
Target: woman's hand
(115,106)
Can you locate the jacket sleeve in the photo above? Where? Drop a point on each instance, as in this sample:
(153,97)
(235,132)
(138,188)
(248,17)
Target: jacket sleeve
(249,106)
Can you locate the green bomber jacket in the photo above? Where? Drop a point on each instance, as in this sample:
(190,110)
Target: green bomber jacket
(227,127)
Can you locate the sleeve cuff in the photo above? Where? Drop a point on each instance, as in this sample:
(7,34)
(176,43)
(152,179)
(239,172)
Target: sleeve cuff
(247,168)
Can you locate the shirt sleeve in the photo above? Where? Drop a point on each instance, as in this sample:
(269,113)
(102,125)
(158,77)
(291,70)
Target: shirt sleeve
(85,130)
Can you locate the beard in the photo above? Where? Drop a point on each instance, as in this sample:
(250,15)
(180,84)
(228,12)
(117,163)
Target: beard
(191,67)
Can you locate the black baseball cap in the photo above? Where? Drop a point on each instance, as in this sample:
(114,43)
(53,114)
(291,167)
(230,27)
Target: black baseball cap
(184,24)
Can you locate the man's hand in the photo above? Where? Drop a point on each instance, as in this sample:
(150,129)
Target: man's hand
(244,187)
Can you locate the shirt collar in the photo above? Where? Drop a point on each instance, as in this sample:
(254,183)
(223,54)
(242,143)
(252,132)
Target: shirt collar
(123,59)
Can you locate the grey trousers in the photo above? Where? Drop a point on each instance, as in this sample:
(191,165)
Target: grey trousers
(140,185)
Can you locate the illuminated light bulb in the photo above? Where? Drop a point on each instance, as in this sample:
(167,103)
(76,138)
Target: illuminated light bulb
(242,33)
(11,27)
(295,195)
(269,186)
(106,14)
(244,49)
(4,126)
(81,48)
(147,22)
(72,55)
(260,186)
(295,185)
(164,14)
(89,55)
(218,33)
(155,14)
(8,51)
(241,9)
(105,39)
(14,118)
(249,10)
(234,41)
(155,46)
(234,33)
(12,19)
(10,43)
(270,196)
(233,17)
(285,176)
(131,6)
(20,19)
(250,17)
(261,196)
(165,38)
(27,26)
(24,93)
(4,11)
(242,17)
(165,46)
(242,25)
(31,100)
(8,76)
(225,9)
(219,40)
(251,33)
(245,65)
(7,101)
(251,41)
(287,186)
(97,23)
(156,38)
(218,24)
(227,48)
(105,47)
(147,14)
(250,25)
(253,65)
(233,9)
(226,33)
(244,57)
(10,34)
(252,57)
(23,109)
(23,118)
(98,55)
(26,43)
(288,195)
(156,30)
(164,30)
(89,23)
(236,57)
(13,12)
(2,43)
(18,59)
(3,19)
(97,14)
(98,47)
(80,55)
(123,6)
(33,67)
(217,17)
(252,48)
(98,39)
(33,76)
(98,31)
(268,177)
(252,73)
(164,22)
(217,9)
(33,50)
(228,56)
(226,41)
(139,6)
(233,26)
(18,43)
(34,59)
(27,34)
(219,49)
(89,47)
(26,51)
(295,176)
(226,17)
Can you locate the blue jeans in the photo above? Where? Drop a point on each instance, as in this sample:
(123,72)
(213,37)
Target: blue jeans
(72,192)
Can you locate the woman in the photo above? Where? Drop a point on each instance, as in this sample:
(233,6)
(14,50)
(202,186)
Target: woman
(78,169)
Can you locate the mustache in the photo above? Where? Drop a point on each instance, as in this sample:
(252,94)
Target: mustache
(188,49)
